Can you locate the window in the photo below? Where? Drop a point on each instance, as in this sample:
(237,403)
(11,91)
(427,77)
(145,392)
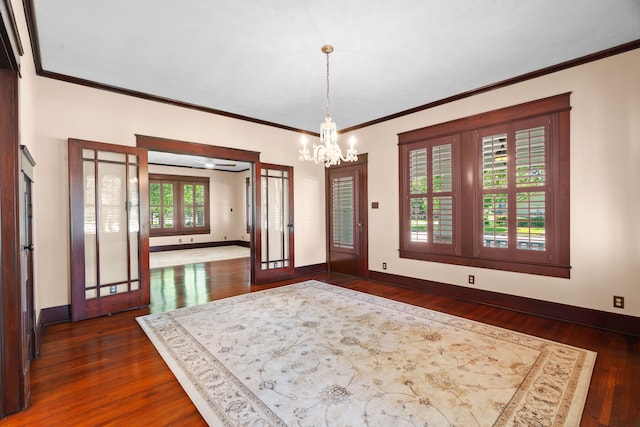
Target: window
(178,205)
(431,188)
(490,190)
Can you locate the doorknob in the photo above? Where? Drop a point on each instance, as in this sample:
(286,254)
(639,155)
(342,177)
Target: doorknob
(28,248)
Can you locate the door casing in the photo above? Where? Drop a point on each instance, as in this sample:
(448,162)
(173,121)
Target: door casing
(13,387)
(191,148)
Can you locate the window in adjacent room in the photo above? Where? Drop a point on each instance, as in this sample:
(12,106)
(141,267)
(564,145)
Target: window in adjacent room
(178,205)
(490,190)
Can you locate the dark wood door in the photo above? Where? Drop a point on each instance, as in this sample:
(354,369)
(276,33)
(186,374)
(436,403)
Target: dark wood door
(27,312)
(274,230)
(347,218)
(109,204)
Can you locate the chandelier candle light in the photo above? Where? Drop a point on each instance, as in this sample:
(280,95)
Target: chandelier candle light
(328,152)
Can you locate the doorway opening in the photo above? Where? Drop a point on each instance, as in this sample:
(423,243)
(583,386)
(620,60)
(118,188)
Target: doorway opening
(269,198)
(195,276)
(185,265)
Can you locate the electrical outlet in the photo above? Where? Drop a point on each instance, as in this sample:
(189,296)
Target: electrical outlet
(113,289)
(384,265)
(618,302)
(472,279)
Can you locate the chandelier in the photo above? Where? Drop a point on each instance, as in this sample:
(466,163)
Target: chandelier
(328,152)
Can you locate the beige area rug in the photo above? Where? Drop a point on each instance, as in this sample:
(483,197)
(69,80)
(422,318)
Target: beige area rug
(194,256)
(313,354)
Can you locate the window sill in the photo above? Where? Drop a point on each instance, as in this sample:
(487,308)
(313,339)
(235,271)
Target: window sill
(179,232)
(551,270)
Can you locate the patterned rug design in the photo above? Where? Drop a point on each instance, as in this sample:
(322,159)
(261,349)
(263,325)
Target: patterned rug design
(313,354)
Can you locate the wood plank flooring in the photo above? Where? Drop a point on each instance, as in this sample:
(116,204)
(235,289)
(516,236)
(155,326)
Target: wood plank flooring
(106,372)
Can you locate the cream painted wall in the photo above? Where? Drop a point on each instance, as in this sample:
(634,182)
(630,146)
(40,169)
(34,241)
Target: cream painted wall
(605,137)
(27,106)
(227,212)
(605,177)
(65,110)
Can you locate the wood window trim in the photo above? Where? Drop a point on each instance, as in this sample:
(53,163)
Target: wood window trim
(467,225)
(180,230)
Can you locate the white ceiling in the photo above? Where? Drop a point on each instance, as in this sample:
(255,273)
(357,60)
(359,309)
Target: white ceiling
(262,59)
(197,162)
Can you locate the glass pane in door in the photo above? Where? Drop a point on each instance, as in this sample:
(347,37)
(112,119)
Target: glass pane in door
(133,224)
(112,218)
(90,241)
(275,219)
(111,223)
(343,212)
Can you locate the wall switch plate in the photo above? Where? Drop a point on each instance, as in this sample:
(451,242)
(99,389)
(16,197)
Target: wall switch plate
(618,302)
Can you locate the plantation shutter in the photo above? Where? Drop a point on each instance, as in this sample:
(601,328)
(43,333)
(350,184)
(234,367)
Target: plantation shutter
(442,193)
(514,191)
(418,194)
(343,227)
(430,207)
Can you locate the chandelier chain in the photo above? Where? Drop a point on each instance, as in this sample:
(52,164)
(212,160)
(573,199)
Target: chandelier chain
(328,82)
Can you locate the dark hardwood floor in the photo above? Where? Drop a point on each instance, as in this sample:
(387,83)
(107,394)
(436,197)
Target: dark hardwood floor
(106,372)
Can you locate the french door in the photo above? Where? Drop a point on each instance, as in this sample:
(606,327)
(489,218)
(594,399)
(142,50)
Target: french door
(347,218)
(273,242)
(109,214)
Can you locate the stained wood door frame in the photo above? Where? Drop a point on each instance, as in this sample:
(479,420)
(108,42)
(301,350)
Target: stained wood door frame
(14,391)
(196,149)
(167,145)
(12,387)
(362,204)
